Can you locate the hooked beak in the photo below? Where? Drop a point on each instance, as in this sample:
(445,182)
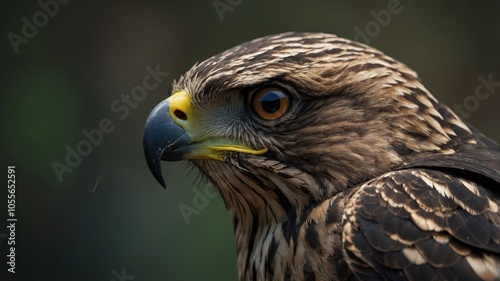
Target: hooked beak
(163,139)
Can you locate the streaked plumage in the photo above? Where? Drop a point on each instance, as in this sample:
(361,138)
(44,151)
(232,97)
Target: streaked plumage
(366,176)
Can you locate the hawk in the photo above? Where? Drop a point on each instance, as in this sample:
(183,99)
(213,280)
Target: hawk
(335,162)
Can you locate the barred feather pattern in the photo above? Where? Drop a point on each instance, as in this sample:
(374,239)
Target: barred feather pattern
(367,177)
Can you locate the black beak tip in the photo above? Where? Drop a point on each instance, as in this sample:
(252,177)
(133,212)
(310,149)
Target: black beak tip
(154,164)
(153,159)
(161,133)
(160,180)
(154,134)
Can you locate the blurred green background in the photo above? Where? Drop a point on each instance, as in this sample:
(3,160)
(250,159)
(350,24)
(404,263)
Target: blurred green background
(108,213)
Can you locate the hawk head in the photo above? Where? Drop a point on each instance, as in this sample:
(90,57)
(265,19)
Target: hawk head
(288,120)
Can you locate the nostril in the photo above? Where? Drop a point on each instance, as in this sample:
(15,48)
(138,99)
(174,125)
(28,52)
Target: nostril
(181,115)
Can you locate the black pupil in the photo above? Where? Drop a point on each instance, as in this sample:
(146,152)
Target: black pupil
(271,101)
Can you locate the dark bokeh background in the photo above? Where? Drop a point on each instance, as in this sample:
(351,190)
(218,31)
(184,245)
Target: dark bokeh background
(66,77)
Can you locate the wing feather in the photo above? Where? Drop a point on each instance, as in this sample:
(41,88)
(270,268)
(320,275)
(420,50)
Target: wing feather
(423,224)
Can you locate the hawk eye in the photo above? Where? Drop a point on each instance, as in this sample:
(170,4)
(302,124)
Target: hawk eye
(270,103)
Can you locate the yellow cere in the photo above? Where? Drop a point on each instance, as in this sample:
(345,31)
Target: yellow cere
(180,108)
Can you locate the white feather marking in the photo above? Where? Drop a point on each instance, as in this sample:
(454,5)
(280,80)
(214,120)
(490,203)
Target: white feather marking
(413,255)
(470,187)
(442,239)
(486,267)
(457,122)
(492,206)
(424,223)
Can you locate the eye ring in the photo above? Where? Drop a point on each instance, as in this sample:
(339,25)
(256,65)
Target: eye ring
(270,103)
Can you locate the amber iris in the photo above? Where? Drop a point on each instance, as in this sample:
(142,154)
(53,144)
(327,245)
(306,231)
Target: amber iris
(270,103)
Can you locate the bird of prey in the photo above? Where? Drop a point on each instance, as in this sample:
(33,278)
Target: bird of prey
(335,162)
